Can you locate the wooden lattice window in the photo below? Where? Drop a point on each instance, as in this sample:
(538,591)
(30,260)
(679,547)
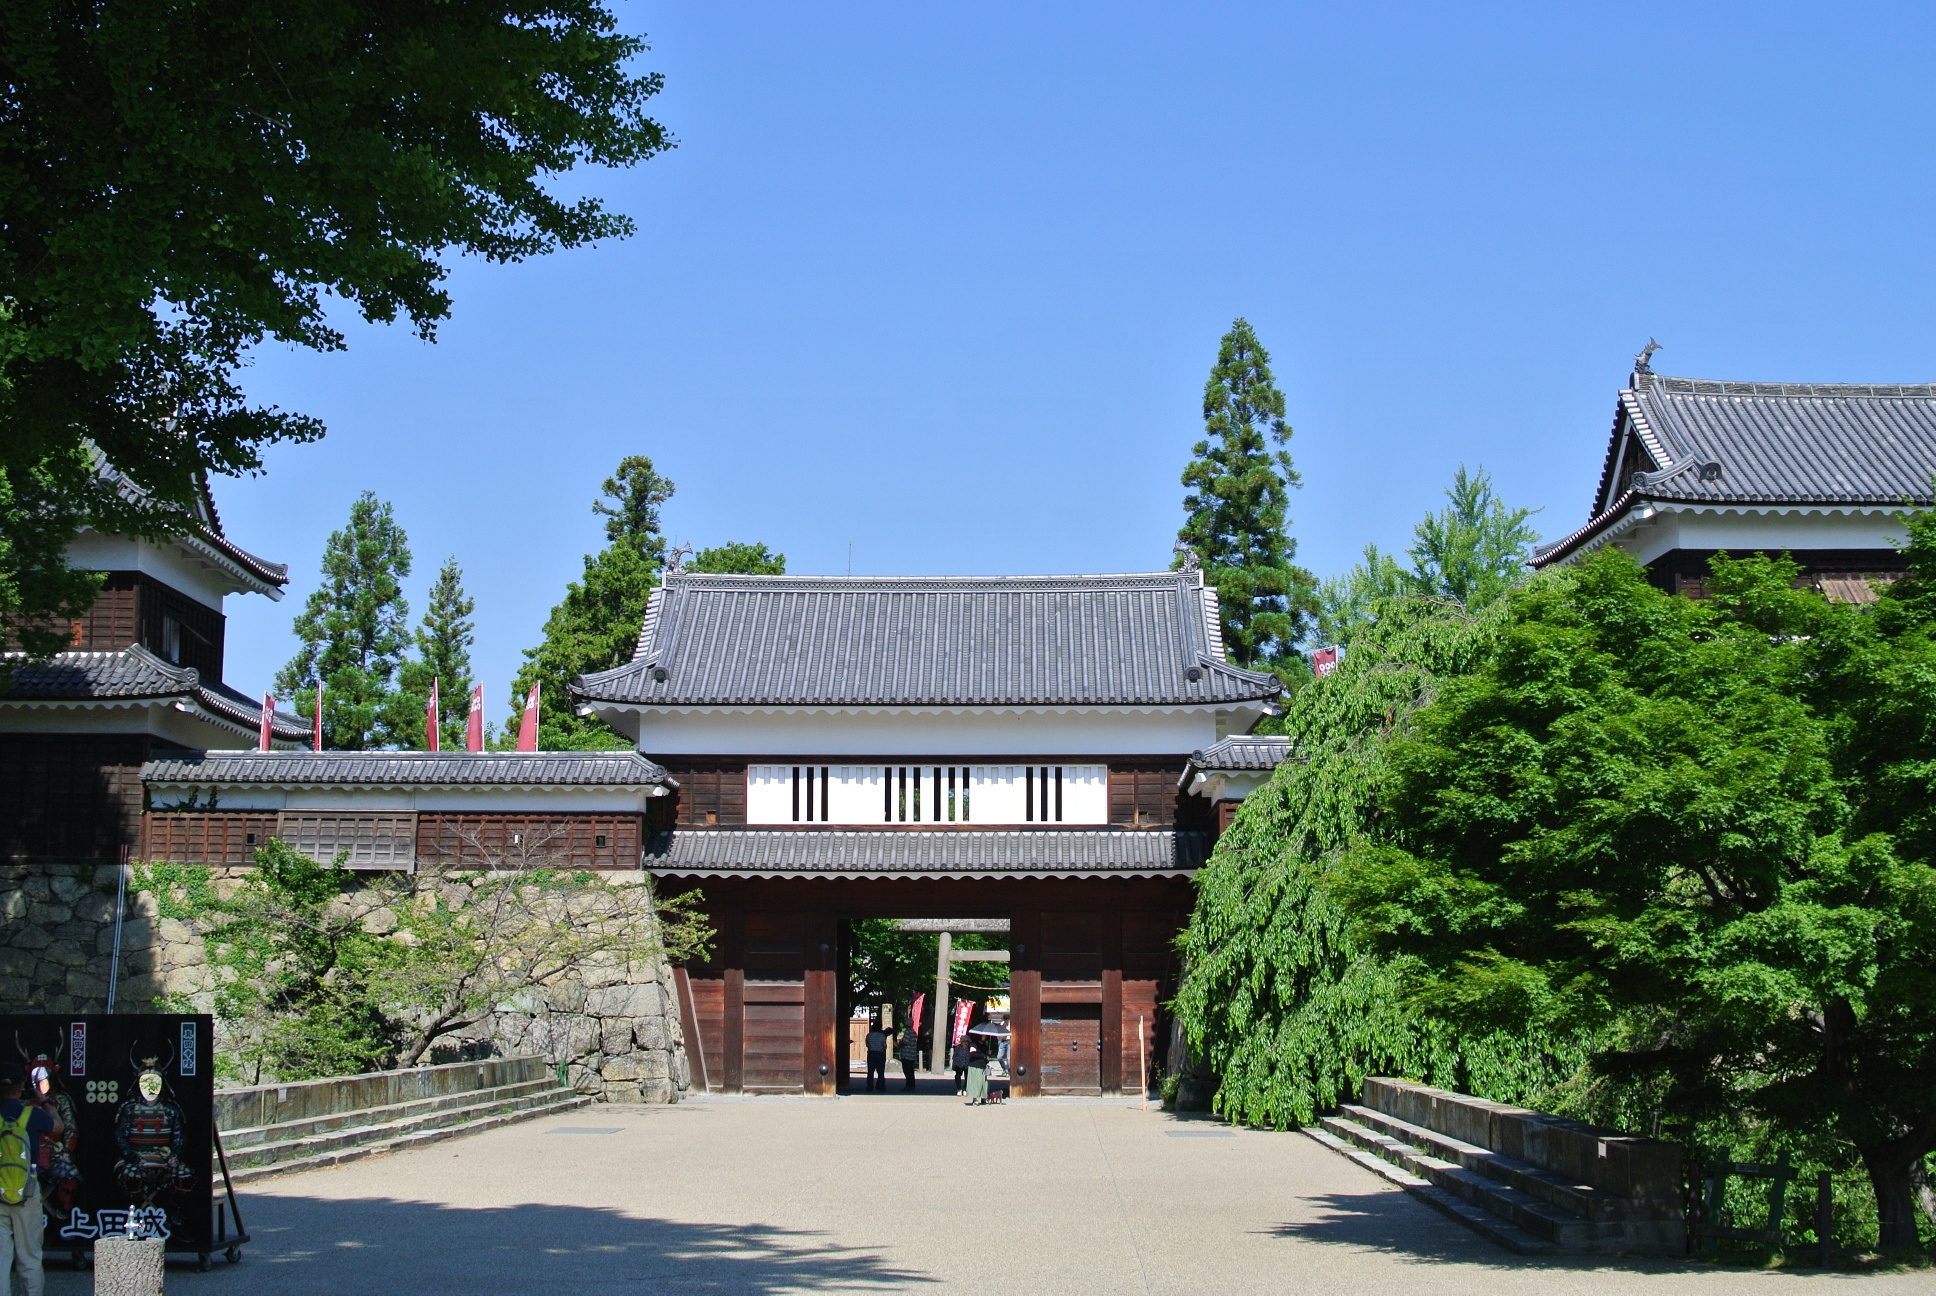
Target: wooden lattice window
(372,840)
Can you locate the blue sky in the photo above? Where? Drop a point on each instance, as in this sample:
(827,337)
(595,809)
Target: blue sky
(944,285)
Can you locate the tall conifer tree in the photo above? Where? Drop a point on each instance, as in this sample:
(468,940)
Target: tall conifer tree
(444,639)
(1239,490)
(596,626)
(354,632)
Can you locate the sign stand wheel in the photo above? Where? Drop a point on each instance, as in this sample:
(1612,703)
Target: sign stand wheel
(233,1255)
(202,1262)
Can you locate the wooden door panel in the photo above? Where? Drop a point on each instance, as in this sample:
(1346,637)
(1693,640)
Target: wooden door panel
(709,1016)
(775,1045)
(1071,1048)
(1139,1000)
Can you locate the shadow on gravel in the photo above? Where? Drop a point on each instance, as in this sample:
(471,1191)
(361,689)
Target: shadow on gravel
(365,1247)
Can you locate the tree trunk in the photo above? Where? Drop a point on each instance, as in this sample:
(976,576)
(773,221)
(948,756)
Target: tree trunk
(1891,1168)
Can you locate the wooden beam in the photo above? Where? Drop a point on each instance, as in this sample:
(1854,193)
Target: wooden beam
(1025,1008)
(689,1024)
(1112,1002)
(978,956)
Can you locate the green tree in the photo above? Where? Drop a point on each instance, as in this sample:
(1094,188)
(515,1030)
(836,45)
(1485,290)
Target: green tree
(37,587)
(179,183)
(354,632)
(596,626)
(444,640)
(740,559)
(1469,552)
(1699,829)
(1239,491)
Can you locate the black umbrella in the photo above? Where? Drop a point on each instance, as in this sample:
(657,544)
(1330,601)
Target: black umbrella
(996,1029)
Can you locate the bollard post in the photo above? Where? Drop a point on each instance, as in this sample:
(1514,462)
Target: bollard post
(125,1266)
(1824,1219)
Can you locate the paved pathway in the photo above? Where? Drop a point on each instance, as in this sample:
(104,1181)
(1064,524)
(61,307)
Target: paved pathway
(890,1193)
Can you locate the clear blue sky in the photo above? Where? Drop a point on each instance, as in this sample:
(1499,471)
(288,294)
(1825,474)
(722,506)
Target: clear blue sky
(945,285)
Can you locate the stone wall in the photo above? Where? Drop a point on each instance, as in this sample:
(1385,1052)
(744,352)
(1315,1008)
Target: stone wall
(615,1027)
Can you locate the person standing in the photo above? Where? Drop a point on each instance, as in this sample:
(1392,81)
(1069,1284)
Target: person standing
(22,1126)
(977,1075)
(960,1061)
(910,1055)
(876,1057)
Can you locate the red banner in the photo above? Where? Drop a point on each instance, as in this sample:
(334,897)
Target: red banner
(268,719)
(474,727)
(1325,660)
(963,1011)
(316,743)
(914,1013)
(528,727)
(431,719)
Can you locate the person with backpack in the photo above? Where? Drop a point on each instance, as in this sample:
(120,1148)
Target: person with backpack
(22,1126)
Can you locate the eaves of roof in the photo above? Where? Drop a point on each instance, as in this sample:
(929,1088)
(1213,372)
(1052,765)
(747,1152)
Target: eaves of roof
(390,769)
(959,853)
(134,676)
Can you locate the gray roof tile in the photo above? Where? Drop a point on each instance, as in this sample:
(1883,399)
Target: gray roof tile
(1249,752)
(409,769)
(1743,443)
(755,852)
(928,641)
(132,674)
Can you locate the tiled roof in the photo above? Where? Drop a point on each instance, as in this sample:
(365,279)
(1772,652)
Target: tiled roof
(204,529)
(929,641)
(756,852)
(409,769)
(133,674)
(1748,444)
(1249,752)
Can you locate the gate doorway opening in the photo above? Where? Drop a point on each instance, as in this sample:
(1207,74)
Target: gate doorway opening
(943,981)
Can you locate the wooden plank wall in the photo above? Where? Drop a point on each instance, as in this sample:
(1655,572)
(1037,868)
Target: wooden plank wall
(229,840)
(571,840)
(71,796)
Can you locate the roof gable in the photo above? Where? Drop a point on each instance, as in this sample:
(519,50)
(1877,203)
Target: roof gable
(1140,639)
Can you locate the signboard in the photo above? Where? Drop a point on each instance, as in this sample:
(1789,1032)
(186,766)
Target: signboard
(137,1095)
(1325,660)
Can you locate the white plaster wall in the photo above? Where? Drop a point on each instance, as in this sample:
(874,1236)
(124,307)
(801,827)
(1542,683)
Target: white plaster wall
(1232,786)
(170,564)
(938,733)
(163,721)
(1761,530)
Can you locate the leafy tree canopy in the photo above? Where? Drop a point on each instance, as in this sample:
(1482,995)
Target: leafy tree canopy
(1239,491)
(738,558)
(1469,552)
(354,632)
(179,183)
(443,640)
(1699,829)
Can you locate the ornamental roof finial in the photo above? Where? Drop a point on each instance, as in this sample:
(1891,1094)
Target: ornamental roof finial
(1190,560)
(1641,365)
(676,560)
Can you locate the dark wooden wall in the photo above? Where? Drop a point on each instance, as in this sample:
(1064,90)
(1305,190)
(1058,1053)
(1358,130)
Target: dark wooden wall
(132,608)
(1090,963)
(72,796)
(1685,571)
(447,840)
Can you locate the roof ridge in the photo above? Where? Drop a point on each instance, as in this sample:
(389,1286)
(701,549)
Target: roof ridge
(1740,387)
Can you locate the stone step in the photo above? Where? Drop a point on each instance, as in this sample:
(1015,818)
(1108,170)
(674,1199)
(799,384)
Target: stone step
(1481,1221)
(1581,1200)
(238,1142)
(374,1139)
(1515,1207)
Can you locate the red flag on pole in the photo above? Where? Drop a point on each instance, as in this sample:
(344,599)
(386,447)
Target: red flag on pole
(431,720)
(963,1011)
(914,1013)
(316,743)
(268,715)
(474,727)
(1325,660)
(528,727)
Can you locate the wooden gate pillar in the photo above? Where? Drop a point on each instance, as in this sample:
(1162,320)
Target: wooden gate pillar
(1111,1069)
(822,1008)
(732,950)
(1025,1005)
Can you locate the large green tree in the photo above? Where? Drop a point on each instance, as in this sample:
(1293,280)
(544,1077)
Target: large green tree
(179,183)
(1240,479)
(739,558)
(596,625)
(354,632)
(443,641)
(1699,829)
(1469,552)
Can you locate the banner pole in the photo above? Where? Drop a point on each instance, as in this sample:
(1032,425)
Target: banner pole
(1142,1060)
(120,908)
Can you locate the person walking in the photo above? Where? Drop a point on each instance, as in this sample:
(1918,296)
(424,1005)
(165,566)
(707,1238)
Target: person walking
(22,1126)
(910,1055)
(876,1057)
(977,1076)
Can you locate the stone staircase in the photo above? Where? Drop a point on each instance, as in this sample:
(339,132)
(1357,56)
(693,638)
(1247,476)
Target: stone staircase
(274,1129)
(1533,1183)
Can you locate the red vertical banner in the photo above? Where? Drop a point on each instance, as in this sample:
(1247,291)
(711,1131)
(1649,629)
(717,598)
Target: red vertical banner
(268,718)
(474,726)
(317,719)
(914,1013)
(1325,660)
(431,719)
(963,1011)
(528,727)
